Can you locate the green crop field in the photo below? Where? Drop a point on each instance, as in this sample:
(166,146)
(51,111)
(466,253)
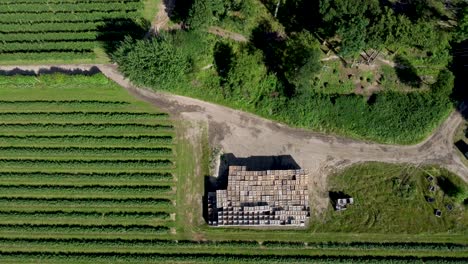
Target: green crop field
(35,31)
(88,174)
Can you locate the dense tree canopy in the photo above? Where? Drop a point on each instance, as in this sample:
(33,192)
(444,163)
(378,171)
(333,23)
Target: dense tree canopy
(155,62)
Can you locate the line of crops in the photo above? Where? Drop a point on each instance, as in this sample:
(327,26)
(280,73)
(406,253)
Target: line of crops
(87,220)
(82,117)
(48,46)
(84,151)
(114,257)
(83,127)
(37,8)
(68,102)
(82,243)
(86,204)
(62,177)
(70,164)
(91,140)
(69,27)
(68,228)
(60,214)
(49,36)
(88,191)
(34,56)
(83,113)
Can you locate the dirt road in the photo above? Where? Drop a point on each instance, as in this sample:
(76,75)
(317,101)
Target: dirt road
(244,134)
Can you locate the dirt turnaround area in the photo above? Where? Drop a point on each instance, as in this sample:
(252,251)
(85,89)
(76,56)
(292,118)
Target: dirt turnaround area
(244,134)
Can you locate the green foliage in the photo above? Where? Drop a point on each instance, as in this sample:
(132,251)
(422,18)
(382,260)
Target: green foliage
(301,59)
(248,80)
(444,85)
(162,63)
(391,198)
(353,35)
(461,32)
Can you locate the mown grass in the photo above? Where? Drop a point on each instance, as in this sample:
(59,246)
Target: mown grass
(393,199)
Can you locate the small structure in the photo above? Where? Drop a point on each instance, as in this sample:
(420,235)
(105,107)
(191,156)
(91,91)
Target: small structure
(438,213)
(430,199)
(341,204)
(261,198)
(432,188)
(430,178)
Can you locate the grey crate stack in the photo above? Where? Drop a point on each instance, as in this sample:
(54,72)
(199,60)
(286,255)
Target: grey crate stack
(261,198)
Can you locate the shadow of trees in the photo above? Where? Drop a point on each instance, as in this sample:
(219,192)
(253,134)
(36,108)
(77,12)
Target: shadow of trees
(460,71)
(272,45)
(406,72)
(223,55)
(116,30)
(180,11)
(296,15)
(16,71)
(448,187)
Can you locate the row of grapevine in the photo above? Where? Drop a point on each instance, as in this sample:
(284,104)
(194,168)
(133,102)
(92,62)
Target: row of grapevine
(48,46)
(85,164)
(97,176)
(86,140)
(181,257)
(82,243)
(82,117)
(46,191)
(60,214)
(56,228)
(89,113)
(26,151)
(82,127)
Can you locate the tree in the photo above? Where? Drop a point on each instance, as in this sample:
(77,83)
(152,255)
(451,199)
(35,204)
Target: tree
(248,79)
(443,87)
(353,36)
(301,59)
(154,62)
(203,13)
(461,31)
